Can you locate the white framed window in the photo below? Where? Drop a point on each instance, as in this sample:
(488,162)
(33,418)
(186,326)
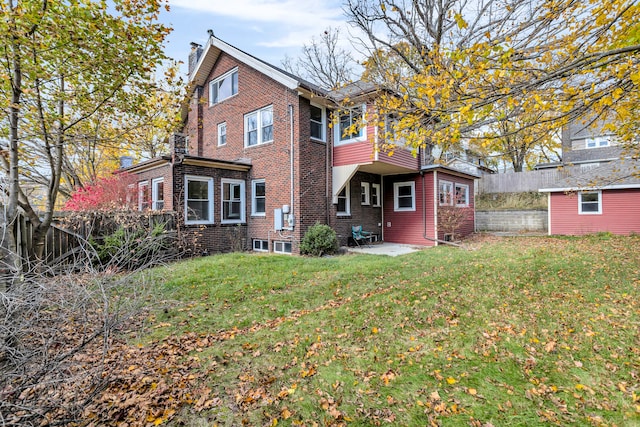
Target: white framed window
(258,197)
(462,195)
(144,197)
(590,203)
(198,203)
(351,125)
(282,247)
(445,193)
(375,195)
(598,141)
(223,87)
(222,133)
(233,198)
(344,202)
(258,127)
(260,245)
(157,194)
(404,196)
(132,196)
(365,195)
(318,122)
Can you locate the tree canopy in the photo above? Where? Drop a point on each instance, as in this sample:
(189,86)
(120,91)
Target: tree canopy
(68,68)
(451,68)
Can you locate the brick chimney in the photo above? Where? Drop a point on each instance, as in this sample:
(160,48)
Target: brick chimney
(194,56)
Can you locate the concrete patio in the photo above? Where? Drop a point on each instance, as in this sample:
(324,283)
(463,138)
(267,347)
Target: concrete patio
(390,249)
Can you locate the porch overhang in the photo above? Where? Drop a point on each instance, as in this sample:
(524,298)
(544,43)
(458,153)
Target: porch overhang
(342,174)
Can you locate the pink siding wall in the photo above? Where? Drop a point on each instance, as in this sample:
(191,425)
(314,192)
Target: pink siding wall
(353,153)
(400,157)
(409,227)
(620,213)
(364,152)
(468,226)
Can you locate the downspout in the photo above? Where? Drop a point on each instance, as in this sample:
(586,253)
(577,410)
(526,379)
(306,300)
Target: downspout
(327,165)
(291,157)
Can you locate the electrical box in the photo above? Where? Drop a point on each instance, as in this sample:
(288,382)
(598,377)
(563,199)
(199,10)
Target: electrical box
(282,219)
(278,220)
(288,221)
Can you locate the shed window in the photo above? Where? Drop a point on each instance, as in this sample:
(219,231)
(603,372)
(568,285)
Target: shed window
(590,202)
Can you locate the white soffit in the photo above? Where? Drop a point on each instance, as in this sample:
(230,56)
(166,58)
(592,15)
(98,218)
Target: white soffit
(212,51)
(341,175)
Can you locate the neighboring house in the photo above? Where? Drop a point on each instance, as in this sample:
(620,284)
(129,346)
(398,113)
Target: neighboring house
(260,161)
(602,189)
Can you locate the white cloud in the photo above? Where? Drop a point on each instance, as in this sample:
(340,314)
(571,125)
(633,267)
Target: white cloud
(291,12)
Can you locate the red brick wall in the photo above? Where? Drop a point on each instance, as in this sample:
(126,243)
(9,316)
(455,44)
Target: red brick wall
(215,237)
(368,216)
(270,161)
(160,172)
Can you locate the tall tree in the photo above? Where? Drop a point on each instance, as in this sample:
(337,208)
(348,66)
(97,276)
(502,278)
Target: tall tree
(324,61)
(447,64)
(64,65)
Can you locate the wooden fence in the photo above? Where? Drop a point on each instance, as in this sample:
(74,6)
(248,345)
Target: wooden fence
(67,240)
(519,182)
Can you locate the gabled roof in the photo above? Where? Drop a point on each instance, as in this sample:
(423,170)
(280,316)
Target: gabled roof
(614,175)
(214,47)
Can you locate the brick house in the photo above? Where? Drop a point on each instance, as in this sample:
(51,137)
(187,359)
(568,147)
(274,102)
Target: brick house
(260,161)
(602,190)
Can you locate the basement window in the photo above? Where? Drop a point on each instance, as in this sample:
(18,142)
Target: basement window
(282,247)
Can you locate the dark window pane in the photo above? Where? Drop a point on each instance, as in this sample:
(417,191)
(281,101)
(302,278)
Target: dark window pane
(198,190)
(405,202)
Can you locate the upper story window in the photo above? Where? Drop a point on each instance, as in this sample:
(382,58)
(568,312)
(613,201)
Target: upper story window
(157,194)
(350,125)
(590,202)
(404,196)
(198,203)
(258,127)
(222,133)
(223,87)
(318,122)
(598,141)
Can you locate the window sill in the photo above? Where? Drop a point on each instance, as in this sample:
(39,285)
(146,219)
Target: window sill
(211,105)
(246,147)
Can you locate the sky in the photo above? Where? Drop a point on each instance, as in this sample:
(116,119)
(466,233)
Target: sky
(267,29)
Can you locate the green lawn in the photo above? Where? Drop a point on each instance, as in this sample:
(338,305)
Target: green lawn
(518,331)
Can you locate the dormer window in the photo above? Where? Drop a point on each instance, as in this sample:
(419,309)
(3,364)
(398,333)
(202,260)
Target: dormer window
(223,87)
